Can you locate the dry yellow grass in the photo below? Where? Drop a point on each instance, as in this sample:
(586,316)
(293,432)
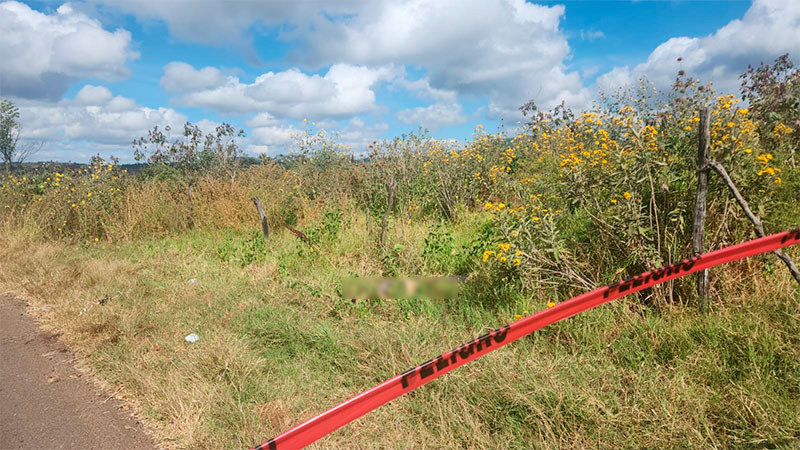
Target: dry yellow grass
(277,346)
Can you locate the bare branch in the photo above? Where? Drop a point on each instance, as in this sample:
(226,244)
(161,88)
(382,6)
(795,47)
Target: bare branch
(753,218)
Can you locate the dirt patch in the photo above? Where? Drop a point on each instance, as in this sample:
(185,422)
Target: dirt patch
(45,402)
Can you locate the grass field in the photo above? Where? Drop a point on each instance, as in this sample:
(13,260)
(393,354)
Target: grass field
(278,346)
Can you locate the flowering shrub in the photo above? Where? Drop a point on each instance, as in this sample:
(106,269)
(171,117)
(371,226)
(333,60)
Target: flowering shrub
(569,200)
(615,186)
(74,199)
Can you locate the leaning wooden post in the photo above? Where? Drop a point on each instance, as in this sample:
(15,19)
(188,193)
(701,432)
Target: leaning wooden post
(262,216)
(703,149)
(753,218)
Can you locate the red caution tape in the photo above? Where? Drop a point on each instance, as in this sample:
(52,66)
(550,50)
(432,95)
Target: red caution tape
(344,413)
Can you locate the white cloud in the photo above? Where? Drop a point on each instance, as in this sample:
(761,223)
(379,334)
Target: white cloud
(768,29)
(358,135)
(510,51)
(94,116)
(262,120)
(273,139)
(422,87)
(345,90)
(590,36)
(223,23)
(271,136)
(93,96)
(434,116)
(182,77)
(44,53)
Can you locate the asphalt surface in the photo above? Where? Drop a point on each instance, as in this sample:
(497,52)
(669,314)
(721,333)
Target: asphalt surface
(45,402)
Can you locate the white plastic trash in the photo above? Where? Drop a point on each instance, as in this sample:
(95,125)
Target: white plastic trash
(192,338)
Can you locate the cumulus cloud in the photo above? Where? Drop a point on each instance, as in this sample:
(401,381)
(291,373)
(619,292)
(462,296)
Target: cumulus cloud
(358,135)
(269,135)
(345,90)
(768,29)
(44,53)
(272,136)
(434,116)
(93,96)
(510,51)
(94,116)
(444,112)
(273,139)
(182,77)
(423,89)
(223,23)
(262,120)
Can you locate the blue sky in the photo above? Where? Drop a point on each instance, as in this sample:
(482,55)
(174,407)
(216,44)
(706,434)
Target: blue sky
(90,76)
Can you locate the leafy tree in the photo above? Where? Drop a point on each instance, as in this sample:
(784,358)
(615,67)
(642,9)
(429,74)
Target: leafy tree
(11,149)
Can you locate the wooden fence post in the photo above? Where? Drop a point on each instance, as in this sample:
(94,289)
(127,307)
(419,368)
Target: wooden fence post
(390,188)
(262,216)
(698,226)
(190,213)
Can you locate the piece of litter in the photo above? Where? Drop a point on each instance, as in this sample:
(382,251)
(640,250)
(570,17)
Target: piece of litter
(192,338)
(53,379)
(192,281)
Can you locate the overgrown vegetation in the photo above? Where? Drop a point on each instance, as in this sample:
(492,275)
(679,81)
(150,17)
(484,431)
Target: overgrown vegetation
(570,201)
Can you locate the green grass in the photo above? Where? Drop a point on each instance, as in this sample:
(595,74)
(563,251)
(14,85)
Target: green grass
(278,345)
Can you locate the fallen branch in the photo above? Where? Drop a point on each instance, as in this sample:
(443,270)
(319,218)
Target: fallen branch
(300,235)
